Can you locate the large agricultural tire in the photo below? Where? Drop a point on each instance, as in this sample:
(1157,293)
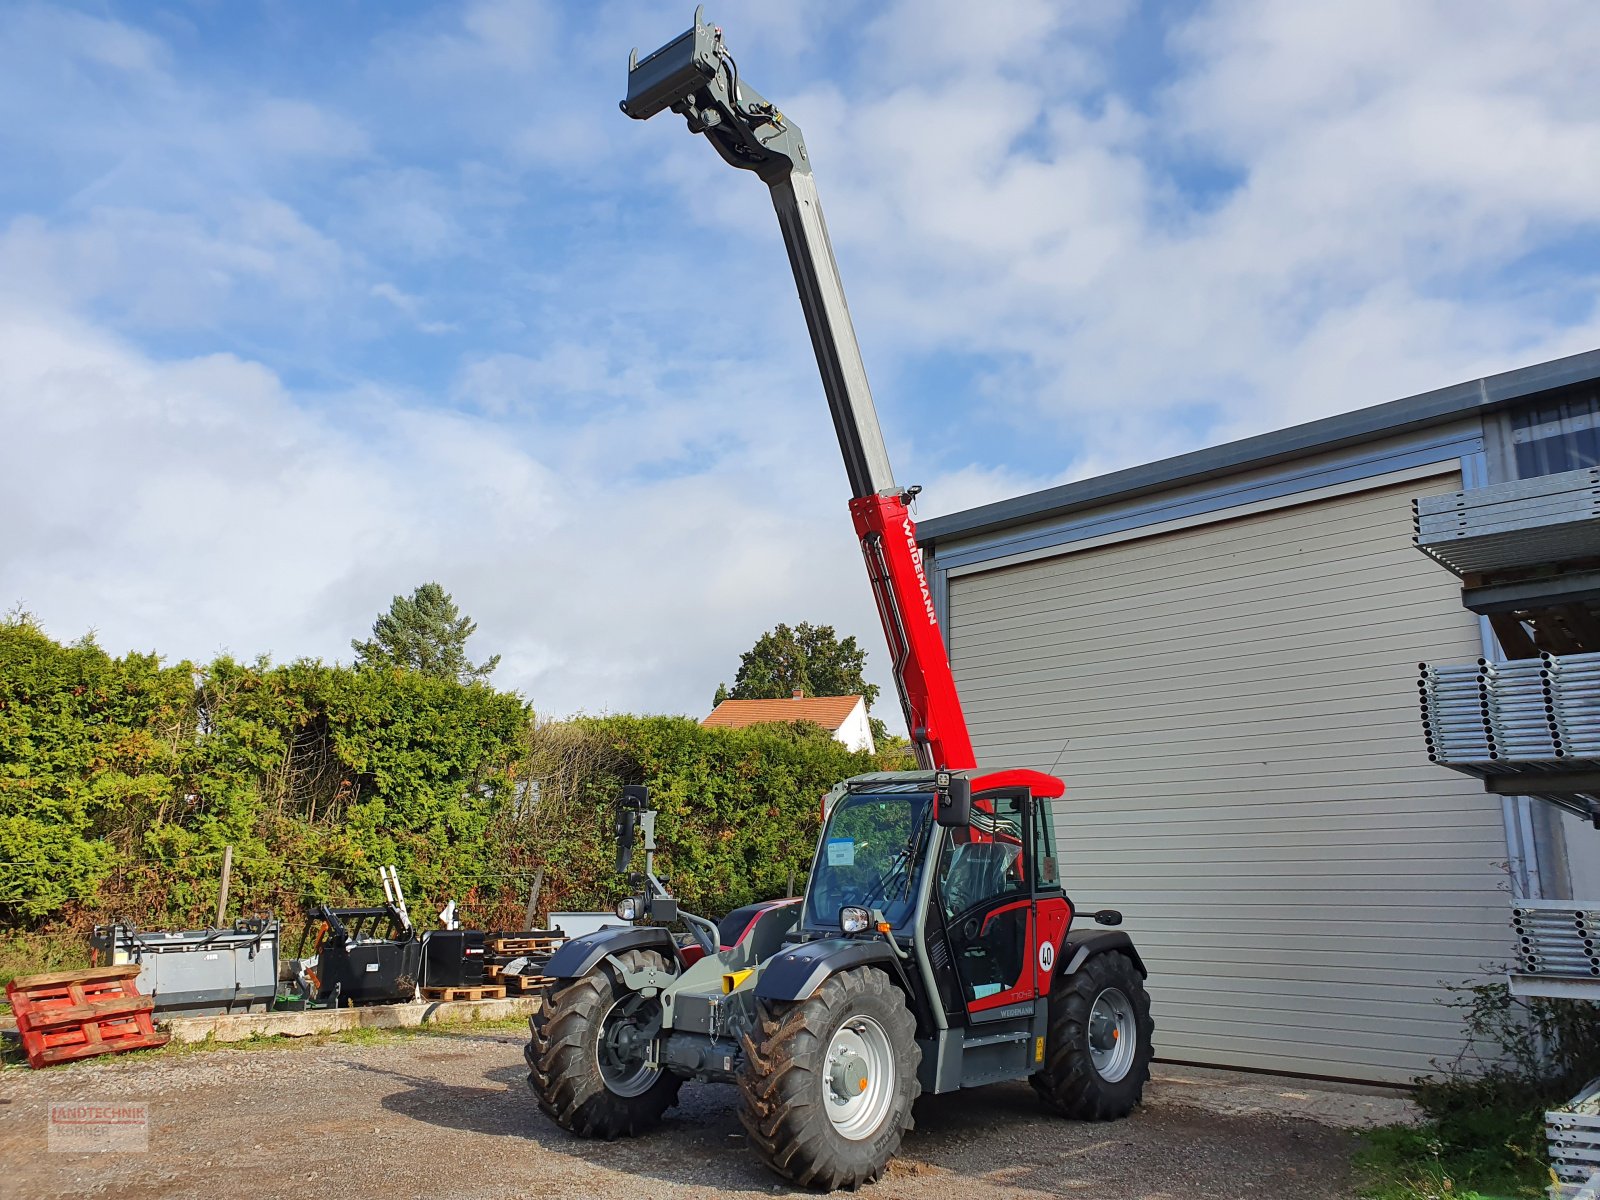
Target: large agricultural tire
(829,1082)
(1098,1045)
(573,1060)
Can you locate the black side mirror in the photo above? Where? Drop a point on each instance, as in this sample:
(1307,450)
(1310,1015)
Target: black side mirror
(635,797)
(953,802)
(627,823)
(1108,916)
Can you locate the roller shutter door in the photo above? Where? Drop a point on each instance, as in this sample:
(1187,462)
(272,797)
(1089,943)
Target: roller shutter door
(1234,709)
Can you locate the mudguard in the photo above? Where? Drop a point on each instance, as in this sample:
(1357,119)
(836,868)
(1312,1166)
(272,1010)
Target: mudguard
(797,971)
(582,954)
(758,932)
(742,922)
(1079,944)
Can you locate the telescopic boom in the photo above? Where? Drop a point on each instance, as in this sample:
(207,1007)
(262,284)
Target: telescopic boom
(696,77)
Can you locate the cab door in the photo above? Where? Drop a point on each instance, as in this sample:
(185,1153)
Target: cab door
(1052,911)
(986,896)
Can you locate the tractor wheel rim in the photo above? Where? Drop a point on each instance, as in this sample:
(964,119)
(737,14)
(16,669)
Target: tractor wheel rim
(858,1078)
(624,1066)
(1113,1035)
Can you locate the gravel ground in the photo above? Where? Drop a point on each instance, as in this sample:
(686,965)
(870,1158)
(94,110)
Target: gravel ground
(449,1115)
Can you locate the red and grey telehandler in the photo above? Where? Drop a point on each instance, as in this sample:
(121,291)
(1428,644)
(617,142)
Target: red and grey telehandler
(935,946)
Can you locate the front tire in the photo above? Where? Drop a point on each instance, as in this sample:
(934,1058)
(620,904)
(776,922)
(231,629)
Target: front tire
(1098,1046)
(587,1049)
(829,1085)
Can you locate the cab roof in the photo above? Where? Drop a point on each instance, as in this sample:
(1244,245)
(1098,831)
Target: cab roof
(984,779)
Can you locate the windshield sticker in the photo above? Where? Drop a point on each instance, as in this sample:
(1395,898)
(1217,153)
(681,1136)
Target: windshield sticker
(841,852)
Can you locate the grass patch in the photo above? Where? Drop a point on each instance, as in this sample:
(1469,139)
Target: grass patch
(1491,1152)
(25,953)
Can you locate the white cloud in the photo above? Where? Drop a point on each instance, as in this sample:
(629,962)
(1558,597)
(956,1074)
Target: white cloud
(208,507)
(974,485)
(107,107)
(1368,172)
(175,269)
(955,39)
(292,128)
(1389,159)
(90,40)
(408,304)
(475,46)
(618,458)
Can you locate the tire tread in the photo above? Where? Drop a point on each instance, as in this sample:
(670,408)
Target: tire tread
(780,1085)
(566,1084)
(1068,1083)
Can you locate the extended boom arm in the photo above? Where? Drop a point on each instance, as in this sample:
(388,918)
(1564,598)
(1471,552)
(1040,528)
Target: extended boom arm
(696,77)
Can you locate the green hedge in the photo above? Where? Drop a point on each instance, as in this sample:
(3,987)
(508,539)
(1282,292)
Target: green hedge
(739,808)
(122,780)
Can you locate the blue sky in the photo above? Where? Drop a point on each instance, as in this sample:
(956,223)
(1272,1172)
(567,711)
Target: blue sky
(304,304)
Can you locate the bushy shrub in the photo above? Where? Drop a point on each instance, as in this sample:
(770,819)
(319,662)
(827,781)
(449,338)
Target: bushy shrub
(122,781)
(1484,1132)
(1521,1052)
(739,808)
(88,745)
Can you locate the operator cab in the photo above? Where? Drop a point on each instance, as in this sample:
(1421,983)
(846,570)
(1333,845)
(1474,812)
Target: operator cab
(978,891)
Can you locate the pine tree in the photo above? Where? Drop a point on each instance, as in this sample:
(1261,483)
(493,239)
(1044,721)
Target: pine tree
(427,633)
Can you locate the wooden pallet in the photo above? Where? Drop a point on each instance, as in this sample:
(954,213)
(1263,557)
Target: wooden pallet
(67,1015)
(488,992)
(516,945)
(515,985)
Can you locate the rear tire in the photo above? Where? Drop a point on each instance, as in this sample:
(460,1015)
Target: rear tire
(574,1067)
(829,1085)
(1090,1071)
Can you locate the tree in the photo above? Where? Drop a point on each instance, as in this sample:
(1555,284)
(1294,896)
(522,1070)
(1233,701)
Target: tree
(425,633)
(810,659)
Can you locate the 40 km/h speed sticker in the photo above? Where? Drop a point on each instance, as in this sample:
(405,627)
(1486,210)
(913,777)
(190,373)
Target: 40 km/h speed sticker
(1047,956)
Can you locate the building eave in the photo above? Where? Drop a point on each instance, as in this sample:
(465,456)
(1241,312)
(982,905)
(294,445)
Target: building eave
(1437,407)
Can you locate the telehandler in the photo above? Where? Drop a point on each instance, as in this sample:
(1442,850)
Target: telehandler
(934,947)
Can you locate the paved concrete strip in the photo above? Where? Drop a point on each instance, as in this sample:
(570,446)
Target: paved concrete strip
(1237,1093)
(239,1027)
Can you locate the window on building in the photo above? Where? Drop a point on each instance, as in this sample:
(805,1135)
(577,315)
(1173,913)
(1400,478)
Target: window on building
(1560,436)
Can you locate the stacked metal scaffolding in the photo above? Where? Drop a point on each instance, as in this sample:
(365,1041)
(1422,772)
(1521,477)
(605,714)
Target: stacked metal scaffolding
(1538,713)
(1573,1137)
(1556,937)
(1554,518)
(1528,726)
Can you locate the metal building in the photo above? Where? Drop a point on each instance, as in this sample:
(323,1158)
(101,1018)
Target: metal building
(1219,654)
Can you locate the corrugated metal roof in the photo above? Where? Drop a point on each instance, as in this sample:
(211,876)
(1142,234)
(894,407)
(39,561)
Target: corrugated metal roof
(1314,437)
(828,711)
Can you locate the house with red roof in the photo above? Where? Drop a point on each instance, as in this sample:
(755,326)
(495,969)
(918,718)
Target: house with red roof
(845,717)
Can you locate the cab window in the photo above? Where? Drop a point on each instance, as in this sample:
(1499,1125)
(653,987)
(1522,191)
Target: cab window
(985,862)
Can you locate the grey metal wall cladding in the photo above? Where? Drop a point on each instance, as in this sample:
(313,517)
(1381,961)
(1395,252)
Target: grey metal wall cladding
(1234,709)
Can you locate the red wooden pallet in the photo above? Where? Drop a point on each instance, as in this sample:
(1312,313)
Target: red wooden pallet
(78,1014)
